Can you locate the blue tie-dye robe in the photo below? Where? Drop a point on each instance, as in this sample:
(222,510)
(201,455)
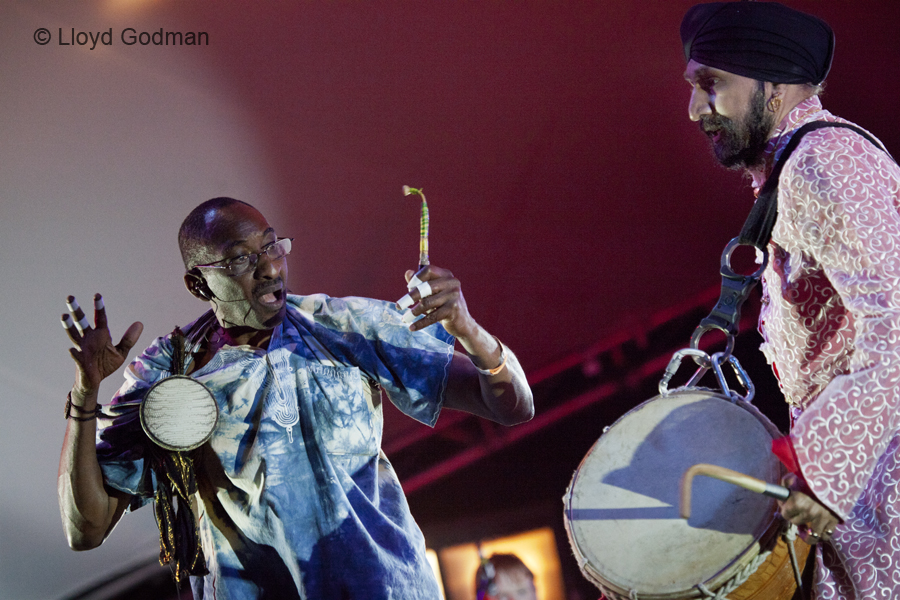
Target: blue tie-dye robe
(296,499)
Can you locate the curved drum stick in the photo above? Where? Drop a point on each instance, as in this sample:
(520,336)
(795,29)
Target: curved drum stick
(423,225)
(722,474)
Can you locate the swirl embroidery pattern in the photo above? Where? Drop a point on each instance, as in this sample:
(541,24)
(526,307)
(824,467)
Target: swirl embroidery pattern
(281,400)
(831,325)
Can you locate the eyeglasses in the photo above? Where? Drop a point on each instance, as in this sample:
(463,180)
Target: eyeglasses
(246,262)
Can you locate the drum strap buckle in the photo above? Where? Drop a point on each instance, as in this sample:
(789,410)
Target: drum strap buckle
(736,288)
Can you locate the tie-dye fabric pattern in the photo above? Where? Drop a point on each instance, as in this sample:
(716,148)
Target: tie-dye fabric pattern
(831,325)
(296,499)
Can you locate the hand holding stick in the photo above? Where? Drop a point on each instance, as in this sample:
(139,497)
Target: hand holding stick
(722,474)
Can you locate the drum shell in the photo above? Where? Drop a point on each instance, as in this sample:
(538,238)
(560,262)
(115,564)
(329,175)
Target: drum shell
(621,507)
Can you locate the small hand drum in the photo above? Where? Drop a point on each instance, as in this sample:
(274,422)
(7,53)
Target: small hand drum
(179,413)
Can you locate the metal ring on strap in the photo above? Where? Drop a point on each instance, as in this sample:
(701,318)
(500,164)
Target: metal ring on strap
(702,329)
(726,268)
(726,314)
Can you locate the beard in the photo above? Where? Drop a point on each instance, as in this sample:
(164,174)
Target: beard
(741,143)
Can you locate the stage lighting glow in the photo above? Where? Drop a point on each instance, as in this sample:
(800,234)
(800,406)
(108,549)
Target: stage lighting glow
(129,7)
(536,548)
(432,557)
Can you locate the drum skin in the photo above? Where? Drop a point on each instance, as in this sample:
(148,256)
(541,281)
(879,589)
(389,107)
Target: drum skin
(621,508)
(179,413)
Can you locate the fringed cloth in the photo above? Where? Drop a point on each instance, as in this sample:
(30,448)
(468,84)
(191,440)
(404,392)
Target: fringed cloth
(179,531)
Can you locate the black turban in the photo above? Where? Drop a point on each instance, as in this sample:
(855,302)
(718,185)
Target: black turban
(761,40)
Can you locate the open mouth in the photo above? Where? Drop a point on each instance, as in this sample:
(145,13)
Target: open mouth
(714,135)
(271,297)
(711,127)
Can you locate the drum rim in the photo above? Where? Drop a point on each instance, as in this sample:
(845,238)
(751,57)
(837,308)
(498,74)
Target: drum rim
(164,445)
(764,540)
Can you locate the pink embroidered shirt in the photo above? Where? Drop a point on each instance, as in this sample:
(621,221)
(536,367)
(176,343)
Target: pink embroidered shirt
(831,324)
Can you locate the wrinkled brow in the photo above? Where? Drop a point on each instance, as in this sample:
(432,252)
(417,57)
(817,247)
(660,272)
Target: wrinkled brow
(234,243)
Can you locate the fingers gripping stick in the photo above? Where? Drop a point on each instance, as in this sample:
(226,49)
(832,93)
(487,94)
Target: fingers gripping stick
(424,290)
(413,283)
(405,302)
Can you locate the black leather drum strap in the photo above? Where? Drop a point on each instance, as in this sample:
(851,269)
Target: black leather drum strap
(757,230)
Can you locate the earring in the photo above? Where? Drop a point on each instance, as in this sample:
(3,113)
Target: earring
(773,104)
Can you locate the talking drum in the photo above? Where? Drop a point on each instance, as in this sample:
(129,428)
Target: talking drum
(179,413)
(621,508)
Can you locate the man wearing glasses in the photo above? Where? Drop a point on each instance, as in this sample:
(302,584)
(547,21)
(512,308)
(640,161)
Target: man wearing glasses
(294,498)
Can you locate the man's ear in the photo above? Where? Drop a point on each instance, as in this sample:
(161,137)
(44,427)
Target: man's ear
(196,285)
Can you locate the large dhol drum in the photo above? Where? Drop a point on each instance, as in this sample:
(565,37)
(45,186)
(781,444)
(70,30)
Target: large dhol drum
(621,508)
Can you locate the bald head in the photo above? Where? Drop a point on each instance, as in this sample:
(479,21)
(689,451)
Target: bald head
(198,228)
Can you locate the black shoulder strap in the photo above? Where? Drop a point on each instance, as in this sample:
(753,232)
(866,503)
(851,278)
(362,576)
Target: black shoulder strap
(757,229)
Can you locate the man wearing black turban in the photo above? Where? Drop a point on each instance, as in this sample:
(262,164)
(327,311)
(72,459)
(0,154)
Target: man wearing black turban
(831,298)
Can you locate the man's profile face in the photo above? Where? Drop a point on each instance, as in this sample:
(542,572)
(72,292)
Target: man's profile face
(254,299)
(731,111)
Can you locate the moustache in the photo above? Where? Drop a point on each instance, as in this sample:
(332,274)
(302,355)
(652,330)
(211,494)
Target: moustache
(267,287)
(710,124)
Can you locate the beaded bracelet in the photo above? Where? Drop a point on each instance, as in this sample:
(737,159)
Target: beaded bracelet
(496,369)
(92,414)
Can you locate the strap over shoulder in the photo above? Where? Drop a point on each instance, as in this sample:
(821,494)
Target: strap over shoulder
(757,229)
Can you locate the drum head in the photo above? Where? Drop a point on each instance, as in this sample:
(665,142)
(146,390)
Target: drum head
(622,504)
(179,413)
